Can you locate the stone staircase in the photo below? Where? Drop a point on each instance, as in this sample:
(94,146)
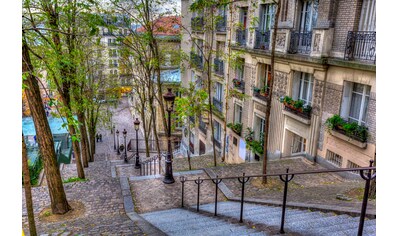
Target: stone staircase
(265,219)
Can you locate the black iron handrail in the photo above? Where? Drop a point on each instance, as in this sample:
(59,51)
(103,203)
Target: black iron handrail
(361,45)
(147,164)
(286,178)
(300,42)
(262,39)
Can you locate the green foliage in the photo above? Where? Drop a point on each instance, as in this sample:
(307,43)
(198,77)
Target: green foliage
(34,170)
(350,129)
(298,104)
(74,179)
(237,127)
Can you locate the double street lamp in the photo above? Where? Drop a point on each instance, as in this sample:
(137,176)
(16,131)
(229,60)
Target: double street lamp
(117,140)
(124,136)
(169,98)
(136,127)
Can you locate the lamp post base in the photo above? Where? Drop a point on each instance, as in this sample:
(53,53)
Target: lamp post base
(168,180)
(168,171)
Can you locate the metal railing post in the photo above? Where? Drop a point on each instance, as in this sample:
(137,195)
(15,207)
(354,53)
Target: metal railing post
(182,180)
(368,179)
(198,182)
(216,182)
(244,180)
(286,180)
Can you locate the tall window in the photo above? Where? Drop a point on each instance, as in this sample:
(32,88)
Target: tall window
(259,127)
(298,144)
(200,46)
(217,132)
(355,102)
(264,75)
(218,91)
(367,16)
(303,87)
(308,16)
(243,17)
(267,17)
(240,70)
(237,113)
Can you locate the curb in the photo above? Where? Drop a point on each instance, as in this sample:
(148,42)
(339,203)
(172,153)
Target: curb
(298,205)
(128,205)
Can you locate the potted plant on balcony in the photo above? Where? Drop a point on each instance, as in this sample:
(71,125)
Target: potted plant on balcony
(236,82)
(263,91)
(249,135)
(237,127)
(350,129)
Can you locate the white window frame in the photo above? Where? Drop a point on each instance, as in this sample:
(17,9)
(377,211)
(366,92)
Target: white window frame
(267,12)
(299,88)
(217,132)
(368,16)
(308,7)
(237,113)
(259,124)
(302,142)
(218,91)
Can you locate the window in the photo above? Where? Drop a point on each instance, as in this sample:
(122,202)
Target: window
(334,158)
(219,49)
(259,127)
(355,102)
(353,165)
(267,17)
(243,17)
(237,113)
(217,132)
(284,10)
(303,87)
(264,76)
(308,16)
(298,144)
(199,46)
(367,16)
(240,70)
(218,91)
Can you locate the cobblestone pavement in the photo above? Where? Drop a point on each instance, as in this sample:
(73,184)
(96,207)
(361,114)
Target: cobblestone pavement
(315,188)
(153,195)
(198,162)
(101,194)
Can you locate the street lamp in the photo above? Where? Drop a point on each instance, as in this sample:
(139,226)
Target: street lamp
(117,140)
(136,127)
(124,136)
(113,128)
(169,98)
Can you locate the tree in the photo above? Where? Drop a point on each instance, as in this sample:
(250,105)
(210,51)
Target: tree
(269,98)
(59,203)
(28,192)
(193,103)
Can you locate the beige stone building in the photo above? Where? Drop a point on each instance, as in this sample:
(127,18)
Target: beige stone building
(325,58)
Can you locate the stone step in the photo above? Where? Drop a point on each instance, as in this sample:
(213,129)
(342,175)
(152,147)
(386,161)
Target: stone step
(186,222)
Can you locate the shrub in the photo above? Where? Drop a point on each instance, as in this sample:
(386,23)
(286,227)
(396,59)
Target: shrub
(74,179)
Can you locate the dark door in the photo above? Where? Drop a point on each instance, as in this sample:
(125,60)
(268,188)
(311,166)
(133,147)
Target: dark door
(201,148)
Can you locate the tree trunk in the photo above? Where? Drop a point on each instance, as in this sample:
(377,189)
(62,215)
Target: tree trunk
(269,98)
(28,193)
(188,151)
(92,135)
(59,203)
(83,139)
(76,150)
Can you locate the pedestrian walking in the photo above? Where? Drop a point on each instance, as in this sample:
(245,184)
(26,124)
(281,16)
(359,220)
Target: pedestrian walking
(101,137)
(97,137)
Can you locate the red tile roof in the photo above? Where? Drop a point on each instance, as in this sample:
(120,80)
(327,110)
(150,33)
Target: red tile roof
(166,25)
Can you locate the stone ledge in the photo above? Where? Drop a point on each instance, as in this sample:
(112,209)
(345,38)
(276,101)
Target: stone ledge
(296,117)
(348,139)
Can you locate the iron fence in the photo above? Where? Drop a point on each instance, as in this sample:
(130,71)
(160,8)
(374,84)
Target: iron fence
(361,45)
(300,42)
(262,39)
(366,173)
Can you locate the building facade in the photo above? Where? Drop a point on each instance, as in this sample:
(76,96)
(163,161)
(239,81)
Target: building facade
(324,66)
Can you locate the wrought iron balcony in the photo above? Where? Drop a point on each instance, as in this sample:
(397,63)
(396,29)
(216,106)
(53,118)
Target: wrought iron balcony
(241,37)
(221,24)
(218,104)
(202,126)
(197,23)
(262,40)
(218,66)
(300,42)
(360,45)
(196,60)
(239,84)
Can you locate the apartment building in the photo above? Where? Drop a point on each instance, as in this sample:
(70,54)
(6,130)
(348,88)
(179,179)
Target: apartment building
(325,66)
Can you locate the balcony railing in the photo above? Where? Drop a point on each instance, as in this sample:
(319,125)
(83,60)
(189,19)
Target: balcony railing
(360,45)
(218,104)
(197,60)
(202,126)
(241,37)
(218,66)
(197,23)
(262,40)
(221,24)
(239,84)
(300,42)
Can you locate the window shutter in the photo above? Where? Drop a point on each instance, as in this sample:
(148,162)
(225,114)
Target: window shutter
(295,85)
(346,99)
